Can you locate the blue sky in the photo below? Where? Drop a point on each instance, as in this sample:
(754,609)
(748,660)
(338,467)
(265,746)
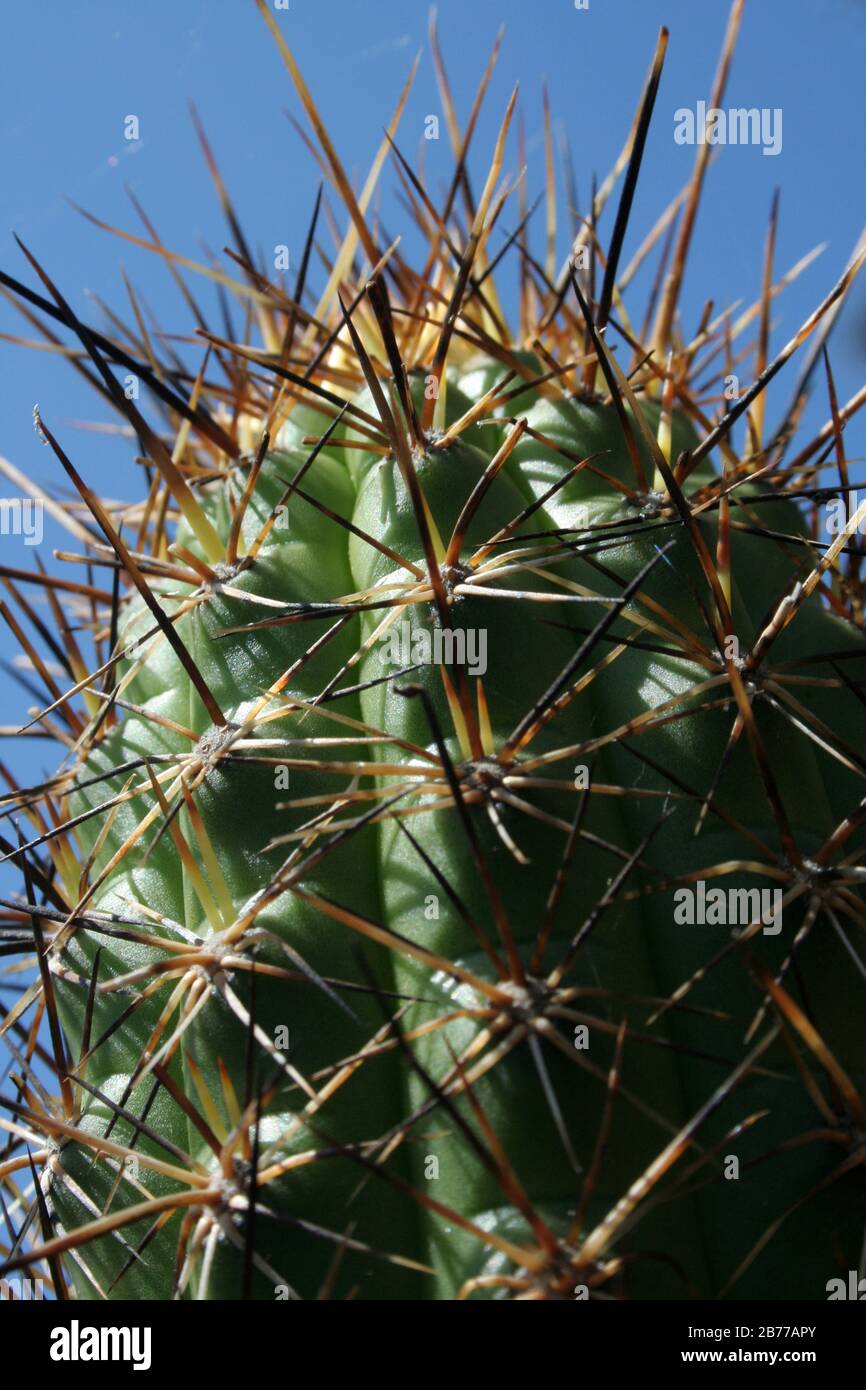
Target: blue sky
(74,72)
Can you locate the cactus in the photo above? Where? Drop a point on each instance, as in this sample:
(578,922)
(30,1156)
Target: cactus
(450,886)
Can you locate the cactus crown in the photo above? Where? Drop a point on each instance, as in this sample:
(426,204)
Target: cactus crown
(443,668)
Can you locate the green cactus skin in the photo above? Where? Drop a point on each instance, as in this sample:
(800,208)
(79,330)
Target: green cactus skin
(635,953)
(378,988)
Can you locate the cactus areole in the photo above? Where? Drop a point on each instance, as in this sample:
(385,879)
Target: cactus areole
(451,884)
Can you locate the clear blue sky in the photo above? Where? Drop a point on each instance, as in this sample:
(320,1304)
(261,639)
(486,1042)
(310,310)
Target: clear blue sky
(73,72)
